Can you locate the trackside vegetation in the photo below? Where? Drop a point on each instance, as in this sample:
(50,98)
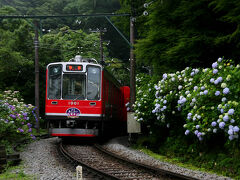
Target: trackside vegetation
(193,115)
(17,119)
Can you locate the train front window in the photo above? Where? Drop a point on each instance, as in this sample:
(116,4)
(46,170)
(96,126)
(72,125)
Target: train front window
(54,81)
(74,86)
(93,83)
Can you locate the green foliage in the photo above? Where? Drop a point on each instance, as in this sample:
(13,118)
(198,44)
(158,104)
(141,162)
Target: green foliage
(18,175)
(178,150)
(16,118)
(118,70)
(177,34)
(202,102)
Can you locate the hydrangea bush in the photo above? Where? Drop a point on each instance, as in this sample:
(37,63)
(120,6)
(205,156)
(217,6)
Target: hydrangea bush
(145,100)
(16,118)
(207,100)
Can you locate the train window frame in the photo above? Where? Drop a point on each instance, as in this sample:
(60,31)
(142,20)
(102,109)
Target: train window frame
(48,81)
(99,86)
(85,89)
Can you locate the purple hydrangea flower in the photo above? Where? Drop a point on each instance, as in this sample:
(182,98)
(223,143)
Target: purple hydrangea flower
(33,137)
(225,118)
(215,71)
(12,107)
(211,80)
(205,92)
(164,76)
(199,134)
(29,125)
(226,91)
(197,126)
(203,87)
(195,88)
(219,59)
(230,132)
(13,116)
(30,130)
(215,130)
(21,130)
(196,132)
(220,79)
(214,65)
(217,93)
(222,111)
(196,71)
(230,111)
(187,132)
(231,137)
(216,81)
(235,128)
(232,121)
(214,124)
(221,125)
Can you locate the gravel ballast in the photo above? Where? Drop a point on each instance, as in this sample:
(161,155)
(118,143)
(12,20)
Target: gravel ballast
(120,147)
(42,160)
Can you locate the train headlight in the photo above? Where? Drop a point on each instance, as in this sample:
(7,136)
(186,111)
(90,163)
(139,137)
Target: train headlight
(71,123)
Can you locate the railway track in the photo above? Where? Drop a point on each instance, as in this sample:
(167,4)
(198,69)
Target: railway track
(107,165)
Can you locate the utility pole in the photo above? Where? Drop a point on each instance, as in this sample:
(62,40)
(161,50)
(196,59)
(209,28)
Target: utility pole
(101,31)
(132,59)
(101,46)
(36,46)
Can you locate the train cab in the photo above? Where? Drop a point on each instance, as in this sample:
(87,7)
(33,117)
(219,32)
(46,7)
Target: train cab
(79,99)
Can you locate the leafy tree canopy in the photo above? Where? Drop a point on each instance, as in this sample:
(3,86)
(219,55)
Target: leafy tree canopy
(180,33)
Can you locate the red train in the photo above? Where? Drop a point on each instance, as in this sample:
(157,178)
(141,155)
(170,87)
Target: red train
(84,100)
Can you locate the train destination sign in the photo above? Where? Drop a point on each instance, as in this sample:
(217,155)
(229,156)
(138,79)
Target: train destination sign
(74,68)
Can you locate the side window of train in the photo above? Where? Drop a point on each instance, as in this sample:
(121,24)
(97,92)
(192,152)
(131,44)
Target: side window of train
(93,82)
(54,81)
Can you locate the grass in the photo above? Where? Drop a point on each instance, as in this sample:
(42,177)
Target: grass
(213,159)
(174,160)
(15,173)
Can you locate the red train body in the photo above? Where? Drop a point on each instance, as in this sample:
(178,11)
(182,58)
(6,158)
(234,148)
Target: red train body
(84,100)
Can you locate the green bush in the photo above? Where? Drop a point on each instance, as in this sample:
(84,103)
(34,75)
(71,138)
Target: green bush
(16,118)
(194,116)
(204,101)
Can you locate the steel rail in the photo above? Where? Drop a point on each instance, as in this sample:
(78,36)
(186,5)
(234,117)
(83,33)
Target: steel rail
(146,167)
(77,162)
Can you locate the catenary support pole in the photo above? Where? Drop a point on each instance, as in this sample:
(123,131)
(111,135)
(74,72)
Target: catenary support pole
(36,46)
(101,48)
(132,65)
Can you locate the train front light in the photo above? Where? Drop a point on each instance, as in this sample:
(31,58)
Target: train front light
(71,123)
